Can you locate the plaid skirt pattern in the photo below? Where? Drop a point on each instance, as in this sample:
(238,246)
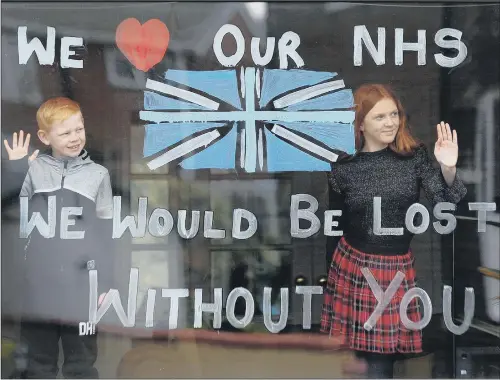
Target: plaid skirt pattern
(349,301)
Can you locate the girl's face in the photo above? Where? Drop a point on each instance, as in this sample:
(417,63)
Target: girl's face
(381,125)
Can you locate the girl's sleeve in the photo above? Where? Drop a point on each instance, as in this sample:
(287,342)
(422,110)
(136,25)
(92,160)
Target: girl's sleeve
(432,181)
(336,200)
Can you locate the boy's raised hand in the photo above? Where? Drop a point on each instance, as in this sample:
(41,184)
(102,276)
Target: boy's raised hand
(19,147)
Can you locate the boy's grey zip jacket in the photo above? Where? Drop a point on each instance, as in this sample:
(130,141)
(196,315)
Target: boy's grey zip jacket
(57,264)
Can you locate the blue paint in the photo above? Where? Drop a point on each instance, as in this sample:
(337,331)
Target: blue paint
(222,84)
(154,101)
(306,116)
(250,130)
(221,155)
(335,100)
(160,136)
(276,82)
(282,157)
(335,135)
(320,118)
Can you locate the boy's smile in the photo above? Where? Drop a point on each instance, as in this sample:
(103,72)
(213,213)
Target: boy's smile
(66,138)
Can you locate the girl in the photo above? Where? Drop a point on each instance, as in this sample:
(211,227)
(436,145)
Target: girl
(389,164)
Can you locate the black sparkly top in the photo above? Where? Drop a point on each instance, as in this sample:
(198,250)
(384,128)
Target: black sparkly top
(397,179)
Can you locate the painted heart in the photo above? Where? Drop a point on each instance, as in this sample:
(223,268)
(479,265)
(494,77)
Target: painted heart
(143,45)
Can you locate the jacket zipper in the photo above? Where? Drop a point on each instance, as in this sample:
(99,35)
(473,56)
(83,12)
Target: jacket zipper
(64,173)
(62,196)
(62,180)
(26,248)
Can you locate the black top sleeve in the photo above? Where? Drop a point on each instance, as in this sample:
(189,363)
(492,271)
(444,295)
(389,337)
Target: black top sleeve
(432,181)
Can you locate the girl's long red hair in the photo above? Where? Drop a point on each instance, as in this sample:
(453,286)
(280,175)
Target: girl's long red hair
(365,99)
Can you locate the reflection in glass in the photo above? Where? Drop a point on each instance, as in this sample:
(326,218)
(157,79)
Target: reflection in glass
(20,83)
(159,270)
(153,272)
(119,72)
(157,193)
(137,161)
(252,270)
(267,199)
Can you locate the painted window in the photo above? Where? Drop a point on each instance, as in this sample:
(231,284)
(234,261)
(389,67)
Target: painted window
(192,233)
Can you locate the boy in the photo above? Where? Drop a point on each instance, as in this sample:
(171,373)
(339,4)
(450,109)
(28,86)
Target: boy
(56,293)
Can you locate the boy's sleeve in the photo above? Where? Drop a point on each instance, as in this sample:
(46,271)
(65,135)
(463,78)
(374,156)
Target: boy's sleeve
(27,186)
(15,181)
(104,228)
(104,200)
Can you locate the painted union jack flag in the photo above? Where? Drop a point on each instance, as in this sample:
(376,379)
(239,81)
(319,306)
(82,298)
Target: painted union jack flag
(255,120)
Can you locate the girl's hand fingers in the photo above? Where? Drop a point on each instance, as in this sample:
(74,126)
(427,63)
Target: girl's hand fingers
(448,132)
(440,135)
(443,130)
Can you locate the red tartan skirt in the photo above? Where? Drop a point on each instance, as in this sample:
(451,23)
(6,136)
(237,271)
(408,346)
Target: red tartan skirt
(349,302)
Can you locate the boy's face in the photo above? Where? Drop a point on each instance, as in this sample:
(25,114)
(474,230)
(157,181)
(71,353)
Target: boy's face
(66,138)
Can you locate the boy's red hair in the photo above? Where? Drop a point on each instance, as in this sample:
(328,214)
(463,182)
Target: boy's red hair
(55,110)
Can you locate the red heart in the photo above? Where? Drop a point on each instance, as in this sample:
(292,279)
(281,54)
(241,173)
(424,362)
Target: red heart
(143,45)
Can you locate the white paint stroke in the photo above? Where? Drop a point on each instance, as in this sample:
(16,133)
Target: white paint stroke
(183,149)
(361,36)
(242,82)
(260,149)
(26,49)
(287,47)
(303,143)
(182,94)
(150,307)
(255,51)
(266,116)
(66,52)
(250,126)
(401,47)
(308,93)
(257,82)
(457,44)
(229,61)
(242,150)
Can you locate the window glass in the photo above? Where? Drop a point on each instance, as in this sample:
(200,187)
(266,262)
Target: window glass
(188,223)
